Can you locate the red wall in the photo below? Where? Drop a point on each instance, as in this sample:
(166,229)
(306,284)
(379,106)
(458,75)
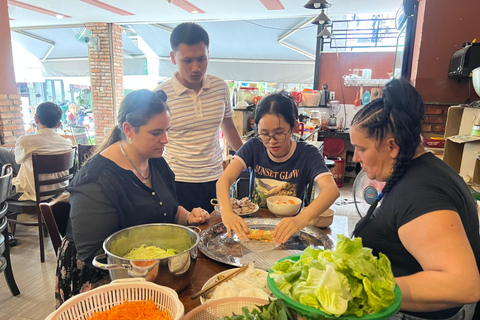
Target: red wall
(441,30)
(381,64)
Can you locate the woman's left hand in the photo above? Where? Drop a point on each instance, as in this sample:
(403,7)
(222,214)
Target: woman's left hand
(286,228)
(198,216)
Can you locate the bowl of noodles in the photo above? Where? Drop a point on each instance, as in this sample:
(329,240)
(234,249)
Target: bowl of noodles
(250,283)
(162,253)
(242,207)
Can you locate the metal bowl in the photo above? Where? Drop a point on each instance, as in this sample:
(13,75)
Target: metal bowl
(174,271)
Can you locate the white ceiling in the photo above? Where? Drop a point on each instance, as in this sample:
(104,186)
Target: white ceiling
(161,11)
(239,30)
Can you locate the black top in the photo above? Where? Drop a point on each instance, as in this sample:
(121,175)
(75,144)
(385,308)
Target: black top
(106,198)
(429,185)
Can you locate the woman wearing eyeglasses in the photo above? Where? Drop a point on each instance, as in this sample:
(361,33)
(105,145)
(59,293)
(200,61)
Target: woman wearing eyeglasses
(281,165)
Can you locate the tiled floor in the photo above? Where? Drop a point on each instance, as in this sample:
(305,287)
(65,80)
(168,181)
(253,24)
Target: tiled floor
(36,280)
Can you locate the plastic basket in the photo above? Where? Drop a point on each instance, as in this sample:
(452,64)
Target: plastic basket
(105,297)
(312,313)
(221,308)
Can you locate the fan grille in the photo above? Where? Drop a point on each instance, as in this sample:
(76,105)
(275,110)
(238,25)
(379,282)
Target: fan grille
(365,191)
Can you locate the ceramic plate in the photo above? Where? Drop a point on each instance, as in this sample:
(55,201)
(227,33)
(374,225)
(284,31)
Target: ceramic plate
(217,208)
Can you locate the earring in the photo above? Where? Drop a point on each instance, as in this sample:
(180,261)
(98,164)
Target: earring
(129,140)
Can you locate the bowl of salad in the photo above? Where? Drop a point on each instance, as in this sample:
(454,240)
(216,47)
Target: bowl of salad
(347,283)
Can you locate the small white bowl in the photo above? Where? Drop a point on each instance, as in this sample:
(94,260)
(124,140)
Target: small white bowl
(284,210)
(324,220)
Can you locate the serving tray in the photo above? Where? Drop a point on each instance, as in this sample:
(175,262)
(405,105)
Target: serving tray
(215,244)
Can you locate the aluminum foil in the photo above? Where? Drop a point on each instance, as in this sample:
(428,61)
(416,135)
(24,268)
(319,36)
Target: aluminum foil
(215,244)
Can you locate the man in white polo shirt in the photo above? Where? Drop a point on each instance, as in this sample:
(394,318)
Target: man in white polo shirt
(200,105)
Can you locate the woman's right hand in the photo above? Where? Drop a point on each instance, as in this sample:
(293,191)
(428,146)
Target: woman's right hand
(231,221)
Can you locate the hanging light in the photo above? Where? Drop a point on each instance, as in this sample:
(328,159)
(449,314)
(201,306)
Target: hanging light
(317,4)
(325,33)
(322,19)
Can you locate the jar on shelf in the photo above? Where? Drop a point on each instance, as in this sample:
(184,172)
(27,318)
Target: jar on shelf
(247,94)
(324,121)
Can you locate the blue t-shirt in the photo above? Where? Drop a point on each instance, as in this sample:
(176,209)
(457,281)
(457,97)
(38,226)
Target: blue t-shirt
(287,176)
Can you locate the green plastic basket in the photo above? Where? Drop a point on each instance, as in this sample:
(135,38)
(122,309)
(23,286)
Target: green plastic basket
(315,314)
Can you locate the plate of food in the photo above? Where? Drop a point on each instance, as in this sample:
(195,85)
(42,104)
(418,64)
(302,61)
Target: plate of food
(251,283)
(260,240)
(243,207)
(215,244)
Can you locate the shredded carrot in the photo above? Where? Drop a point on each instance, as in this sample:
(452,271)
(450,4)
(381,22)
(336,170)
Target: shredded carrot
(291,201)
(145,310)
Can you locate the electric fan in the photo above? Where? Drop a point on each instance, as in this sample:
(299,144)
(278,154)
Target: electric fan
(365,191)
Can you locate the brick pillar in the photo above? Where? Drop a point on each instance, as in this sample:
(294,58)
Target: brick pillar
(106,76)
(11,119)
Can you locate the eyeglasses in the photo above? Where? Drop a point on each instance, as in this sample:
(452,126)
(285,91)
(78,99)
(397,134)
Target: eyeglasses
(277,137)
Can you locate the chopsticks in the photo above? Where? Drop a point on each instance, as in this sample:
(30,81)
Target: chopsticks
(213,285)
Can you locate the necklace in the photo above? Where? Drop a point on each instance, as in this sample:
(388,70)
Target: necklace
(145,179)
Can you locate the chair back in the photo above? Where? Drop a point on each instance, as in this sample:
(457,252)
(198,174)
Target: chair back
(62,165)
(55,216)
(84,152)
(80,134)
(5,182)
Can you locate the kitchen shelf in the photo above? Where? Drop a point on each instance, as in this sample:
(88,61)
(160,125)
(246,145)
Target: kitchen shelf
(366,82)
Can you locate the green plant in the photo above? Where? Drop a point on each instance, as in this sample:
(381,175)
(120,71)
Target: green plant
(82,98)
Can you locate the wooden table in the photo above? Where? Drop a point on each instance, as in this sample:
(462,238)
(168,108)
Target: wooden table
(206,268)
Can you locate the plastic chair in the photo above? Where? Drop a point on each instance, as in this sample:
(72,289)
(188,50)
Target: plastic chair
(5,262)
(334,149)
(55,216)
(64,166)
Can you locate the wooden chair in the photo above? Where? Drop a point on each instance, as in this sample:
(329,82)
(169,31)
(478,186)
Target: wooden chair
(61,164)
(5,262)
(55,215)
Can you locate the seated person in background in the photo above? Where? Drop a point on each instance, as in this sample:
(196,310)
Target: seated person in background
(427,224)
(72,114)
(8,157)
(46,140)
(126,183)
(276,157)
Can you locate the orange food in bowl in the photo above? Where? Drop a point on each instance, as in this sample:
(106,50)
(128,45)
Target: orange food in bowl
(284,206)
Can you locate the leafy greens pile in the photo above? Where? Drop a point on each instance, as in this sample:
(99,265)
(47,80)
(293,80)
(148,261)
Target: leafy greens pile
(274,310)
(347,281)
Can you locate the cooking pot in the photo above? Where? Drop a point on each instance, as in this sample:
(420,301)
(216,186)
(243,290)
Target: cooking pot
(174,271)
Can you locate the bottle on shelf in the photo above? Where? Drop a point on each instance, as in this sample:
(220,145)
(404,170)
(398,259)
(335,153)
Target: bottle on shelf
(324,121)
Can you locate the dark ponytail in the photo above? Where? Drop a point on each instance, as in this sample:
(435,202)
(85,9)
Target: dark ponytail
(399,112)
(136,108)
